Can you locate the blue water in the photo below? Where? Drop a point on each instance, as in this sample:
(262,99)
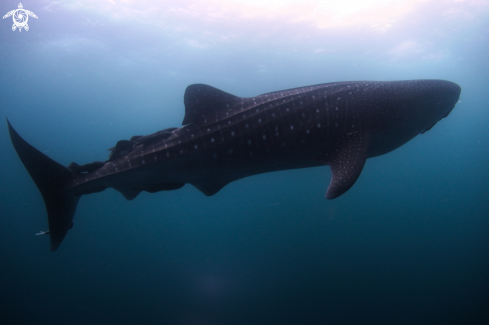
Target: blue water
(407,244)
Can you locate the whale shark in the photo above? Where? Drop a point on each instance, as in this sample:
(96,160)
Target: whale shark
(224,138)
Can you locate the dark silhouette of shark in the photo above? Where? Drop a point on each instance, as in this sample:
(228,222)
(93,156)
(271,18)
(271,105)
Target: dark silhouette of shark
(225,138)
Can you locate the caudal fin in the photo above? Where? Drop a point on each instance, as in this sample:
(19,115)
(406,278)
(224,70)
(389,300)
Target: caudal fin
(50,178)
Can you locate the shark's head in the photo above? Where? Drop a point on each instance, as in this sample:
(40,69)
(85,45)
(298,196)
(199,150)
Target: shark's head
(441,97)
(408,108)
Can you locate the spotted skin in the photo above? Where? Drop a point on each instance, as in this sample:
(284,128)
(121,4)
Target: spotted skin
(229,137)
(226,138)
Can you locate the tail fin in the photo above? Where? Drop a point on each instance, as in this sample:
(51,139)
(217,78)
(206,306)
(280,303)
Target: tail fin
(50,177)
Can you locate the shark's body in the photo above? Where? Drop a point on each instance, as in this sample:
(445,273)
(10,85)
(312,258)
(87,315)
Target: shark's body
(226,138)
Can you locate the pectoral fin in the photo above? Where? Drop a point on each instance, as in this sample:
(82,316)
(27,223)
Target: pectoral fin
(346,160)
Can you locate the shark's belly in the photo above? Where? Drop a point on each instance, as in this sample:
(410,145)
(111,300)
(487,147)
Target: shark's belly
(209,165)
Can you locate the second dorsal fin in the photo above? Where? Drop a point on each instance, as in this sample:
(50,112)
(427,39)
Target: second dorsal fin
(203,100)
(121,148)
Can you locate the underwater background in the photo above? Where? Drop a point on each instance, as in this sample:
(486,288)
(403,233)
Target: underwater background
(407,244)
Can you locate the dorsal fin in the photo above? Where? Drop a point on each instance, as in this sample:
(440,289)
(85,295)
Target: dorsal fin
(120,148)
(203,100)
(147,139)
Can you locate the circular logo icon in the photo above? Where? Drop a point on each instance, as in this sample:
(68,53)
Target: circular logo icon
(20,17)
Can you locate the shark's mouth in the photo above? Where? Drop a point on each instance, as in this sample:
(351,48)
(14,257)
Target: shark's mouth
(429,128)
(446,115)
(451,109)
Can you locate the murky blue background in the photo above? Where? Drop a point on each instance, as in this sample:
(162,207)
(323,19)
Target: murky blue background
(408,244)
